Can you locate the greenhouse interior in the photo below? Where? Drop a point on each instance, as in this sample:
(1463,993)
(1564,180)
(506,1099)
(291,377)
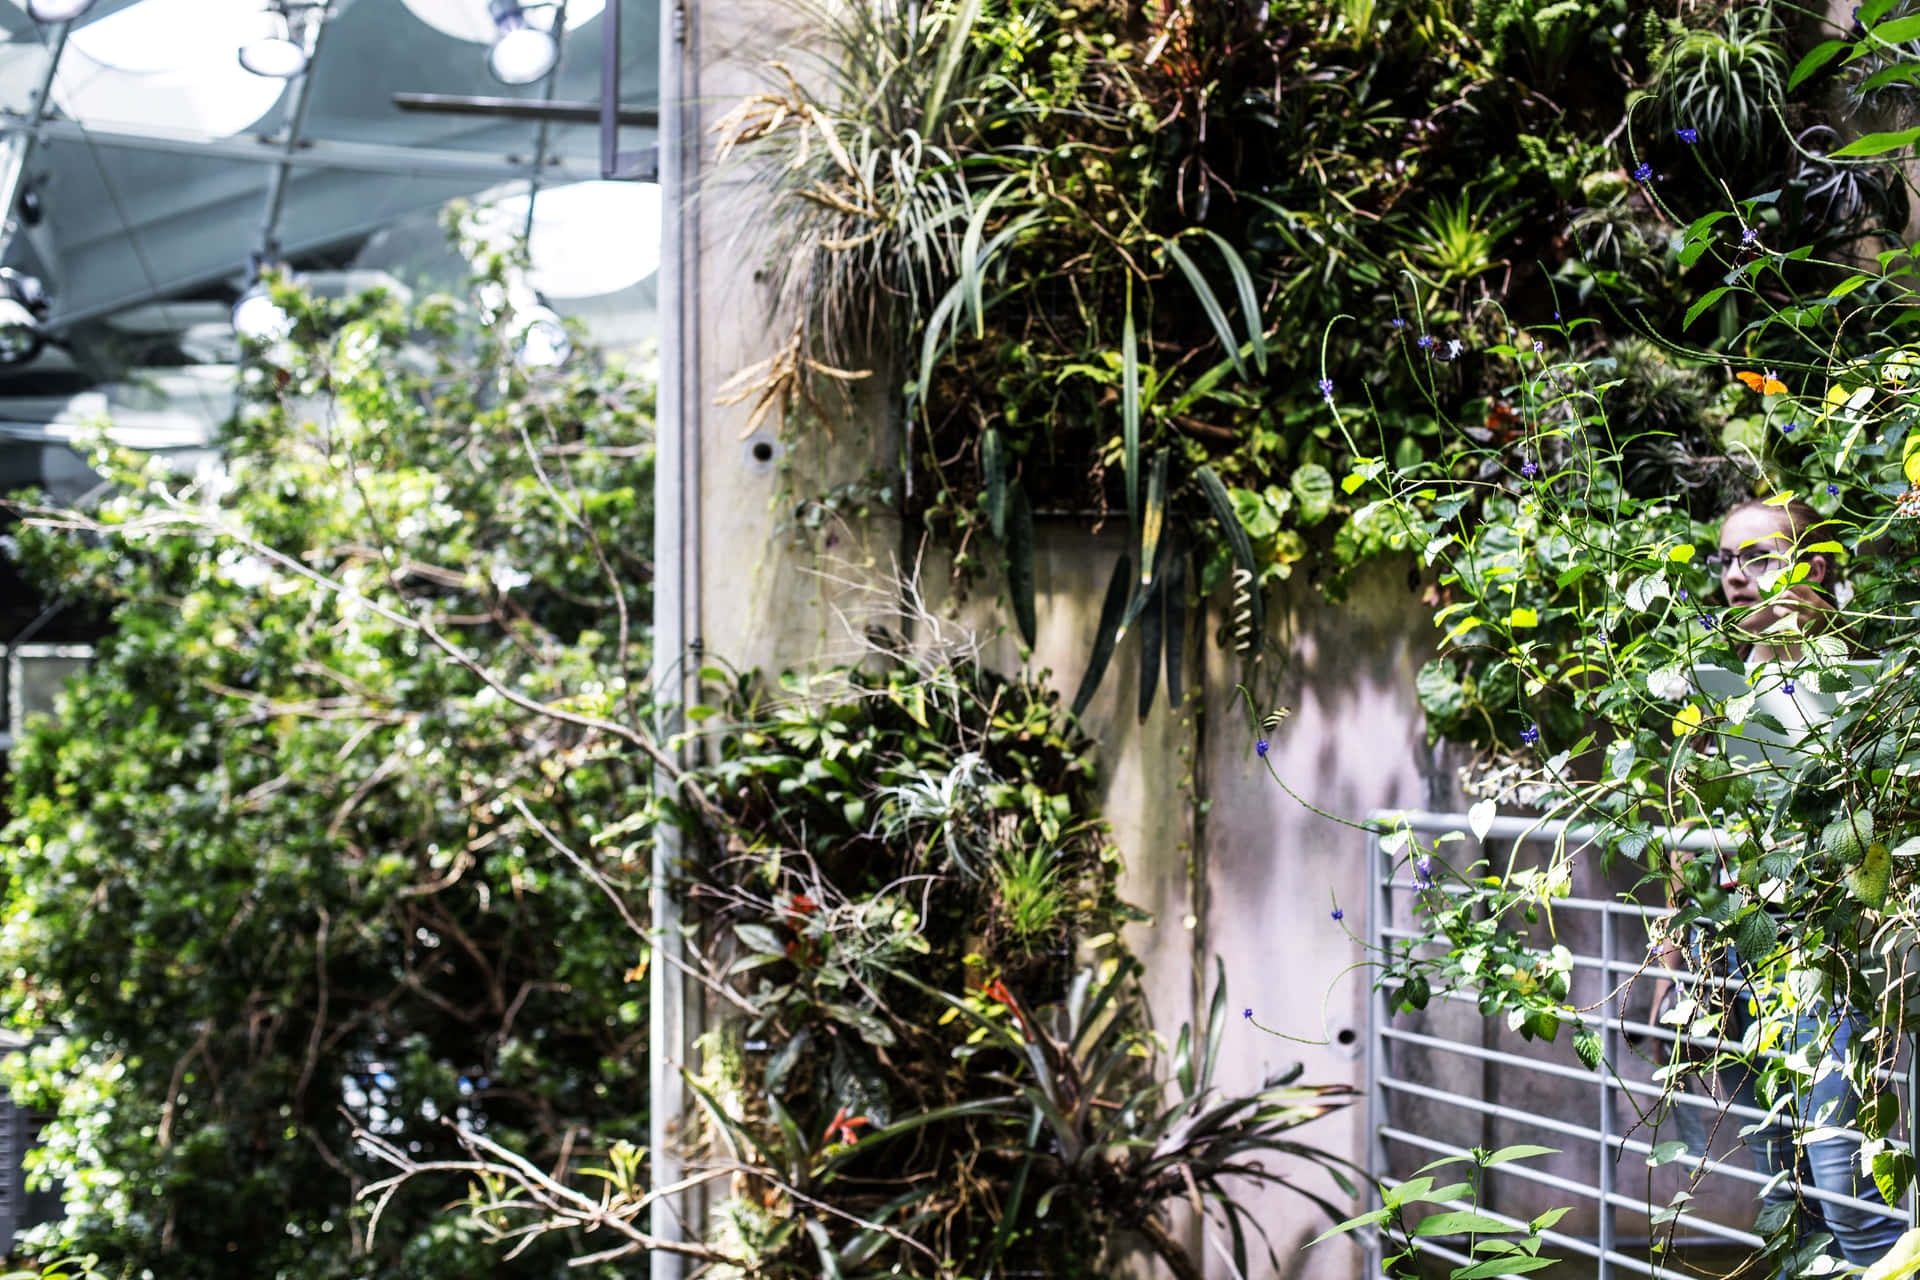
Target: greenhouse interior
(959,639)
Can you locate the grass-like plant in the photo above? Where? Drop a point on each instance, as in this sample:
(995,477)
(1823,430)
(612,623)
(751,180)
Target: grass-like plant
(1726,80)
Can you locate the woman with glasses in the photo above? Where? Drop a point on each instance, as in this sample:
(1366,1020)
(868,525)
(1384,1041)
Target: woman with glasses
(1759,543)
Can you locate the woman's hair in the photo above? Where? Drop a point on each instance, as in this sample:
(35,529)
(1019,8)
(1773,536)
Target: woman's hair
(1805,528)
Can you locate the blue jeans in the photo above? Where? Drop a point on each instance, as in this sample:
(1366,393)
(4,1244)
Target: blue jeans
(1830,1164)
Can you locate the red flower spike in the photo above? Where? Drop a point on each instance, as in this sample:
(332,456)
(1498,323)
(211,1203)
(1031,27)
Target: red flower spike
(844,1125)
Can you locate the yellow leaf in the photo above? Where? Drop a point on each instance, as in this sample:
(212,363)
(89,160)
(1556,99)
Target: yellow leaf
(1687,721)
(1523,618)
(1682,553)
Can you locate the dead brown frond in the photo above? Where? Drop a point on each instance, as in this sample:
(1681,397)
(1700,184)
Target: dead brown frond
(783,383)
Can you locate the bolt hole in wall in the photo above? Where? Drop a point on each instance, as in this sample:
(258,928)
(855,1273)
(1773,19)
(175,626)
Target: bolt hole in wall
(762,451)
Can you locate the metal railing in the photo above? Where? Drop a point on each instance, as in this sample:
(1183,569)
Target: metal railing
(1588,1112)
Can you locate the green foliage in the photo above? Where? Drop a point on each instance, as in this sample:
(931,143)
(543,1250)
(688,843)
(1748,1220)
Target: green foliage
(1124,235)
(935,1029)
(1587,647)
(1490,1250)
(294,843)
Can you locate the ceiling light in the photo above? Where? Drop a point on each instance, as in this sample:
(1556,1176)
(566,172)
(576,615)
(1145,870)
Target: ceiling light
(23,304)
(522,53)
(57,10)
(257,317)
(469,20)
(274,44)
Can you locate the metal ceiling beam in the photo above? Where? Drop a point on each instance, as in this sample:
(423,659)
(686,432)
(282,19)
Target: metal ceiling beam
(561,112)
(361,157)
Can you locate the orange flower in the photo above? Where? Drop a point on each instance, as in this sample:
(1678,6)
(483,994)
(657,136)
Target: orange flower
(844,1125)
(997,992)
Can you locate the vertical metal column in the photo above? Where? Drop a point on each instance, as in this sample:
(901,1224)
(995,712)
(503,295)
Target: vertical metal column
(1609,1054)
(668,996)
(1373,1153)
(1913,1125)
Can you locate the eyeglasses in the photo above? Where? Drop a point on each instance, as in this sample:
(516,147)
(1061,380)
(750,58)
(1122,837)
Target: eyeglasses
(1751,559)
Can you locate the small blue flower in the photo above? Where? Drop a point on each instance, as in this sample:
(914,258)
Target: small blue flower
(1530,471)
(1398,323)
(1833,490)
(1338,914)
(1688,136)
(1530,735)
(1538,346)
(1326,389)
(1683,593)
(1260,748)
(1423,871)
(1643,173)
(1247,1014)
(1426,342)
(1556,315)
(1789,428)
(1705,620)
(1788,686)
(1749,236)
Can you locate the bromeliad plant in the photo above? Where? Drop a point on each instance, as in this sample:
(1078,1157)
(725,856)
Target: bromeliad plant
(937,1059)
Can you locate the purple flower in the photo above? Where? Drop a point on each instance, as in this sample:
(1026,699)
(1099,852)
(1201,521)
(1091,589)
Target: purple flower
(1247,1014)
(1688,136)
(1260,748)
(1683,593)
(1788,686)
(1423,871)
(1705,620)
(1530,471)
(1426,342)
(1538,346)
(1398,323)
(1530,735)
(1643,173)
(1749,236)
(1833,490)
(1338,914)
(1789,428)
(1326,389)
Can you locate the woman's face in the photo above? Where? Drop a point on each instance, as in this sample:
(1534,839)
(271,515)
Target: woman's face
(1757,546)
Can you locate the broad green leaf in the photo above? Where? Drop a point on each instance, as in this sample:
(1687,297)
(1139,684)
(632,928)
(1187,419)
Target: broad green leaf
(1877,144)
(1460,1222)
(1107,633)
(1519,1151)
(1817,57)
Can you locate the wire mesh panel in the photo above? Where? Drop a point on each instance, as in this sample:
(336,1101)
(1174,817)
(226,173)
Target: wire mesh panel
(1650,1174)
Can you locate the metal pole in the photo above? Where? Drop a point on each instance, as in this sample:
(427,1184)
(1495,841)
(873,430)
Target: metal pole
(1609,1044)
(667,993)
(1374,1149)
(610,92)
(296,120)
(13,170)
(540,134)
(1913,1129)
